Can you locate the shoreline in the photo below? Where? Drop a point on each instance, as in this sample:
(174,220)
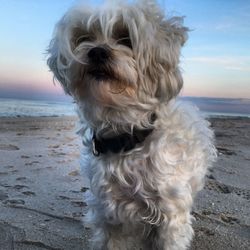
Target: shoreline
(41,189)
(209,106)
(207,116)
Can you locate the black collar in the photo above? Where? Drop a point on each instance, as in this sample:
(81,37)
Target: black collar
(122,142)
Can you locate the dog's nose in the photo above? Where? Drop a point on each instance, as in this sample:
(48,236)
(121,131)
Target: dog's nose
(98,55)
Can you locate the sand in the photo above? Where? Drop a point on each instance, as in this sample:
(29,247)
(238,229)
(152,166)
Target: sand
(41,188)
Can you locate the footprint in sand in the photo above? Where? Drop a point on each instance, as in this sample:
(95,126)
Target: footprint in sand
(8,147)
(229,219)
(29,193)
(9,167)
(204,230)
(25,156)
(78,203)
(74,173)
(20,134)
(56,153)
(21,178)
(34,128)
(19,187)
(210,176)
(225,151)
(31,163)
(77,214)
(14,202)
(53,146)
(243,193)
(14,171)
(5,185)
(219,187)
(62,197)
(3,173)
(84,189)
(226,189)
(3,196)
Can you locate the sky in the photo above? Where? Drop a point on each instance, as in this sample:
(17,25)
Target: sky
(215,60)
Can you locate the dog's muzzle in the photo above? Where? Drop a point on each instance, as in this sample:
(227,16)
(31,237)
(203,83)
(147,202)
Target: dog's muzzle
(98,55)
(99,58)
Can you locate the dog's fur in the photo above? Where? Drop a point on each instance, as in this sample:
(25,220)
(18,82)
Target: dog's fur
(140,199)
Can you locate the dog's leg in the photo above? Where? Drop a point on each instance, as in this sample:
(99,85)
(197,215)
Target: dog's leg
(108,237)
(99,239)
(116,240)
(120,239)
(176,234)
(95,220)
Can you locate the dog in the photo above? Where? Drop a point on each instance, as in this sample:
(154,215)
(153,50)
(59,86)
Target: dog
(145,152)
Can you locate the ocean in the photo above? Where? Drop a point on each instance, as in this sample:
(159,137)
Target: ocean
(209,106)
(221,106)
(25,108)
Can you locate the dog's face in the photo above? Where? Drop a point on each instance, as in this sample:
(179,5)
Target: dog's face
(118,56)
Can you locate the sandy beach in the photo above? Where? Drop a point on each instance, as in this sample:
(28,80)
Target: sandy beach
(41,188)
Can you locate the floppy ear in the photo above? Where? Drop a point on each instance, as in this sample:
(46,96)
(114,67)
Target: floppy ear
(56,63)
(172,36)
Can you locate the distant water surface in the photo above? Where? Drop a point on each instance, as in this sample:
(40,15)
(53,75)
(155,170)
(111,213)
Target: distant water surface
(209,106)
(221,106)
(22,108)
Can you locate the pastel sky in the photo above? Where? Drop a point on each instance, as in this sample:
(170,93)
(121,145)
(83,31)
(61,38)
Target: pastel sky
(215,61)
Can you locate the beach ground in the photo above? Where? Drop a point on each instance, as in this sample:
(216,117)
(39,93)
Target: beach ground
(41,187)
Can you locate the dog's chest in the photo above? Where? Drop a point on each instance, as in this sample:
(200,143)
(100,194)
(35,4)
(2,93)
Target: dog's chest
(131,188)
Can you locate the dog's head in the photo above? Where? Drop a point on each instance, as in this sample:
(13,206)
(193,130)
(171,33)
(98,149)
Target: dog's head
(118,55)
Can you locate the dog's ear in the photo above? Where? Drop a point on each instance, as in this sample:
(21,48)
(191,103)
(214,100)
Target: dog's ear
(56,63)
(172,36)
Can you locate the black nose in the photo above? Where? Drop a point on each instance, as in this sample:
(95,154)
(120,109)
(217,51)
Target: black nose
(98,55)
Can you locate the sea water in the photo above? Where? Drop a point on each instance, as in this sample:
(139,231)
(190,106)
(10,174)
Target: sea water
(209,106)
(23,108)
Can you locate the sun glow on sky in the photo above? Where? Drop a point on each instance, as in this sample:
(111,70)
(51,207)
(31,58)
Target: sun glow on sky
(215,61)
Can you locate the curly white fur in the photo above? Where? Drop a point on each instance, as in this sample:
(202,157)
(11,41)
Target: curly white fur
(140,199)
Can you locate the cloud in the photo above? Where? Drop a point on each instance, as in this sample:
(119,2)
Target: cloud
(239,63)
(224,26)
(233,26)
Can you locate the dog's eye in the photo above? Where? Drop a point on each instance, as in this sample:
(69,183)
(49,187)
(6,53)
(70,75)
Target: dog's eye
(83,38)
(125,41)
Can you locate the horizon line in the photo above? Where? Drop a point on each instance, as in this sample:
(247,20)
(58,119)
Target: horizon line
(66,98)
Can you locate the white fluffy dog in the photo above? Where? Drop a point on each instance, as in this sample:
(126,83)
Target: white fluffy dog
(145,153)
